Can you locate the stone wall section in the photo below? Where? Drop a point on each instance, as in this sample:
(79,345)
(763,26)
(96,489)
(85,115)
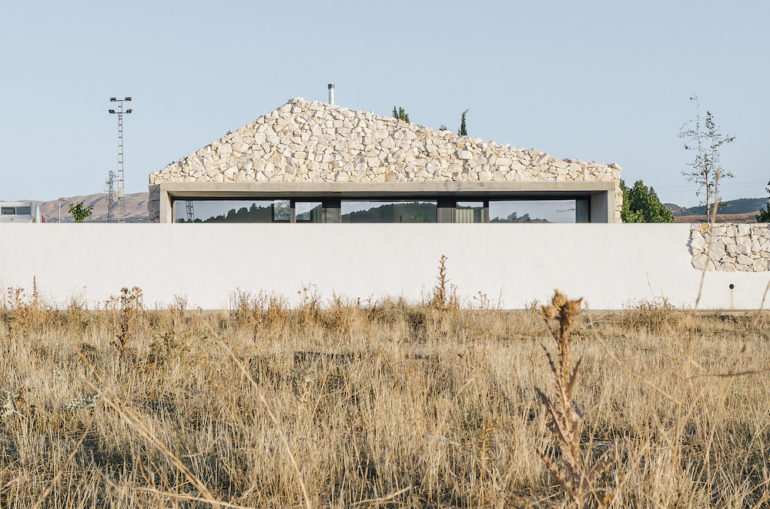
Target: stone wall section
(317,142)
(736,247)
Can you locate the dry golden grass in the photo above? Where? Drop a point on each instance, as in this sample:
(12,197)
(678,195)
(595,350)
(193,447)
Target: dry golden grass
(371,405)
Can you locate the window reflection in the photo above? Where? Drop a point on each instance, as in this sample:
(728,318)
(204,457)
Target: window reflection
(307,211)
(388,211)
(534,211)
(232,211)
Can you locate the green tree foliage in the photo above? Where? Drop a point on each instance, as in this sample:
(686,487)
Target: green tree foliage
(80,212)
(400,114)
(702,137)
(641,205)
(463,131)
(764,214)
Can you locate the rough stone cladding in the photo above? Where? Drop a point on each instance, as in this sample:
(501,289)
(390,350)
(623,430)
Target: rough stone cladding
(736,247)
(317,142)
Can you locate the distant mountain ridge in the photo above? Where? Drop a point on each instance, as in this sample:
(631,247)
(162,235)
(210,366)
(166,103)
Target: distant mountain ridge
(739,206)
(136,208)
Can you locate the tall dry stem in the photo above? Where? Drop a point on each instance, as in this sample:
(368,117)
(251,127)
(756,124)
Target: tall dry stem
(444,296)
(575,473)
(711,236)
(129,306)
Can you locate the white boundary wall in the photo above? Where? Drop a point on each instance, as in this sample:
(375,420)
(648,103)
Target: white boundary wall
(610,265)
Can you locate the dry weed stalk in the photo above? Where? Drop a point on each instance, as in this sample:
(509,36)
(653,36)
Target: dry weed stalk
(129,305)
(23,315)
(310,309)
(576,475)
(444,295)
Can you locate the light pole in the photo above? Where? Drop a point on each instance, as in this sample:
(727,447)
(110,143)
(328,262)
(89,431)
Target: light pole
(119,113)
(59,200)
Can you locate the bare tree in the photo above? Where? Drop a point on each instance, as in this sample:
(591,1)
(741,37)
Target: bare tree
(702,137)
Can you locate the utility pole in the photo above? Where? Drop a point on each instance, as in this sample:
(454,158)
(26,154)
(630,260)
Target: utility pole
(121,189)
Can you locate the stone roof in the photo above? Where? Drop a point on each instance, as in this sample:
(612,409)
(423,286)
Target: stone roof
(306,141)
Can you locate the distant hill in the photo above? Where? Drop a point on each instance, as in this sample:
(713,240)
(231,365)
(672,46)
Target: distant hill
(740,206)
(731,207)
(676,210)
(136,208)
(405,212)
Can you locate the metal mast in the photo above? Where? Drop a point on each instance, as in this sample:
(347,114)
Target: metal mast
(110,194)
(190,211)
(121,191)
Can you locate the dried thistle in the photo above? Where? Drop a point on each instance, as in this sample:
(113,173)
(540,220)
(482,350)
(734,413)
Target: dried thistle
(576,476)
(130,305)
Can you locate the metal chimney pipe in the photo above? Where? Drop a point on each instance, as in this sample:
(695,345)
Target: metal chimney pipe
(331,93)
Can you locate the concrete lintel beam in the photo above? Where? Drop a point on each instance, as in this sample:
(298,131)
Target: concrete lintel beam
(290,189)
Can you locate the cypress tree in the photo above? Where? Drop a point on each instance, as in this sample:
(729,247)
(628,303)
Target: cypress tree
(400,114)
(463,131)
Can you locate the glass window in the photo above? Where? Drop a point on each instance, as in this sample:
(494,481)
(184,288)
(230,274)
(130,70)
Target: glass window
(23,211)
(307,211)
(417,211)
(232,211)
(469,212)
(532,211)
(8,211)
(281,211)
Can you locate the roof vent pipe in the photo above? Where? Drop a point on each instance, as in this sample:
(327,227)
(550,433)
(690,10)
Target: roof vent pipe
(331,93)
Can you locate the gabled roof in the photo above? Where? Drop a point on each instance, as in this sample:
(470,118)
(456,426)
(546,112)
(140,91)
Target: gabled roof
(317,142)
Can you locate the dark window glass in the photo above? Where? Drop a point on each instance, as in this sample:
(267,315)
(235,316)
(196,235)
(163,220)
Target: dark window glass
(388,211)
(232,211)
(23,211)
(8,211)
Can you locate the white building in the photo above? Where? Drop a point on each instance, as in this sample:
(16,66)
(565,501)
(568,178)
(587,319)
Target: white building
(20,212)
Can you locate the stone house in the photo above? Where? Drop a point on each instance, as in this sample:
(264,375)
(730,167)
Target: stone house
(314,158)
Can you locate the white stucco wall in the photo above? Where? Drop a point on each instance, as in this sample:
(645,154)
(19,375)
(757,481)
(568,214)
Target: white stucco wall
(610,265)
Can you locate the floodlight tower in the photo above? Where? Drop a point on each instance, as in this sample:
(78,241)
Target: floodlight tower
(121,192)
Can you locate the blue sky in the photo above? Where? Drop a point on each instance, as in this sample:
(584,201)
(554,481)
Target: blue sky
(604,81)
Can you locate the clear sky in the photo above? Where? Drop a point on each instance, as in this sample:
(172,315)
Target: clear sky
(604,81)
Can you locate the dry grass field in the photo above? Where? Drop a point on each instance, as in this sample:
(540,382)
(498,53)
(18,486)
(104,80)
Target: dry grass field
(379,405)
(746,217)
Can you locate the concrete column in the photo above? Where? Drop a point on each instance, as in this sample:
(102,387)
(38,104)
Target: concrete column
(583,210)
(166,208)
(445,210)
(600,208)
(332,210)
